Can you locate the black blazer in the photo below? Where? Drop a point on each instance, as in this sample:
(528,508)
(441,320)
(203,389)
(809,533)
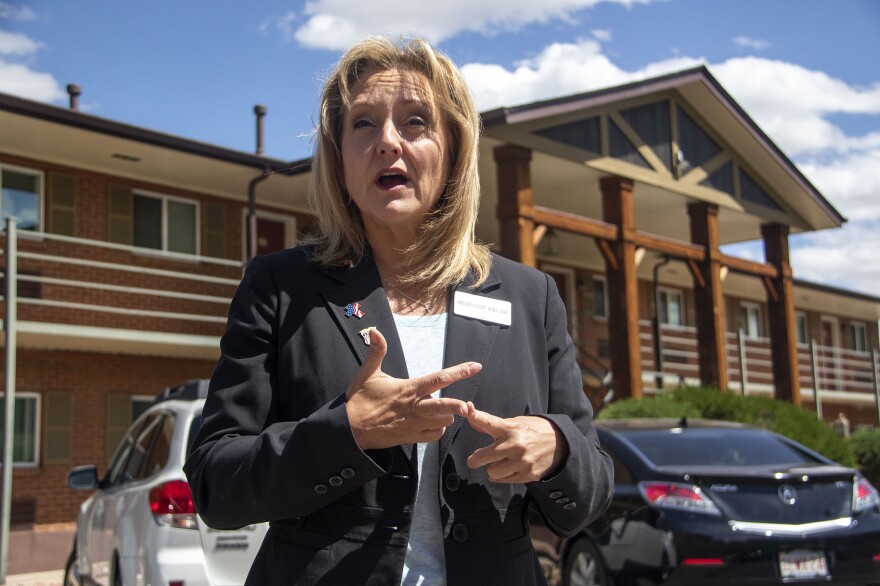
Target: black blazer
(275,443)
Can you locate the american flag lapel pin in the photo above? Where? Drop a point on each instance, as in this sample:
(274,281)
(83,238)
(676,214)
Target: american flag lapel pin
(354,309)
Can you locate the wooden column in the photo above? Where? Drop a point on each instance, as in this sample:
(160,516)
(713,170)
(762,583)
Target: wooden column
(623,297)
(515,206)
(711,340)
(780,309)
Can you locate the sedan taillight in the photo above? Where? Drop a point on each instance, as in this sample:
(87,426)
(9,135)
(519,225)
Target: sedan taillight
(172,505)
(682,497)
(864,496)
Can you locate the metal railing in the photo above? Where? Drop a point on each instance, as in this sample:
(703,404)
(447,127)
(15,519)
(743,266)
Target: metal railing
(76,281)
(823,371)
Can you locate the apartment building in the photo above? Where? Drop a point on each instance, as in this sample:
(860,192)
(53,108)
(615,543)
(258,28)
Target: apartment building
(130,242)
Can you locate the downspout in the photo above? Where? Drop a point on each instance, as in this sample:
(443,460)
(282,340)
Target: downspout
(251,229)
(655,324)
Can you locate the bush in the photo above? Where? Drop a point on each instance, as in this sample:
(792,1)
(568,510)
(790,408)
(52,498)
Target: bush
(865,445)
(778,416)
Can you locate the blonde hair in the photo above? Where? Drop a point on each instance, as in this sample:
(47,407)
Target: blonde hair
(446,249)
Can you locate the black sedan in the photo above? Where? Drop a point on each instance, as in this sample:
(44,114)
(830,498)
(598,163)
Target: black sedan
(712,502)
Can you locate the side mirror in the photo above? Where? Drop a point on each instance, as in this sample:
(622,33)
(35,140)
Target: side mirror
(83,478)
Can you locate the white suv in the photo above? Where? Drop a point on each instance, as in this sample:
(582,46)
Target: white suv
(140,527)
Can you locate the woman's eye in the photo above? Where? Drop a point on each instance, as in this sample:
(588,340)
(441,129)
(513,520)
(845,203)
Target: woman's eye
(417,121)
(362,123)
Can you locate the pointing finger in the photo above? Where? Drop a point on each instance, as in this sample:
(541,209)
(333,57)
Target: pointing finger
(425,385)
(487,423)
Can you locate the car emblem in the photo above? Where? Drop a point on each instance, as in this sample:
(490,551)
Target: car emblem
(787,494)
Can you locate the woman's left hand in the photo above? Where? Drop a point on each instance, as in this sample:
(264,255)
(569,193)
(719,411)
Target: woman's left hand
(525,448)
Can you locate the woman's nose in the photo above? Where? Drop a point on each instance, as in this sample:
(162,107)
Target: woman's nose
(389,140)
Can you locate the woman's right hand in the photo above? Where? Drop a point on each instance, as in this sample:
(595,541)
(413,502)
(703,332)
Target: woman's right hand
(385,411)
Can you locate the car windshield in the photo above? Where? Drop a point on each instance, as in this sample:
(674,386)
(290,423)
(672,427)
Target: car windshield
(715,447)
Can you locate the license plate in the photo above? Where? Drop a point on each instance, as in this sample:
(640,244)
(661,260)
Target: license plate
(802,563)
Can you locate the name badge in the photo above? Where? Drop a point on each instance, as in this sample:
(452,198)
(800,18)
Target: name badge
(487,309)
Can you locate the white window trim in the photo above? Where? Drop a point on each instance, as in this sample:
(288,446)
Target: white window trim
(750,305)
(798,315)
(858,325)
(289,221)
(38,431)
(41,195)
(604,280)
(165,198)
(681,296)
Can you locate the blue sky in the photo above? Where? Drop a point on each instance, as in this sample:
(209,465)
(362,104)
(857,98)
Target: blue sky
(805,70)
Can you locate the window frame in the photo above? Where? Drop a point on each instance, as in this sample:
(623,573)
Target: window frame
(41,195)
(661,291)
(164,198)
(747,306)
(604,280)
(38,427)
(857,327)
(800,317)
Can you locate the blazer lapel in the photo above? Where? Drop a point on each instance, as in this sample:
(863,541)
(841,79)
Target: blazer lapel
(467,340)
(361,284)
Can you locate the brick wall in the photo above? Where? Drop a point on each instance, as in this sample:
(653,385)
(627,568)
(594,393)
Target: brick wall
(89,377)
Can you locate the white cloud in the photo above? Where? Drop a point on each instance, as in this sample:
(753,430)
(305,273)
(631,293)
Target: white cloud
(21,81)
(19,13)
(846,257)
(851,182)
(603,34)
(560,69)
(336,24)
(17,44)
(749,43)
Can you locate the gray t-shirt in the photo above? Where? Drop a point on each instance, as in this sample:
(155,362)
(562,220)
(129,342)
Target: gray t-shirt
(423,338)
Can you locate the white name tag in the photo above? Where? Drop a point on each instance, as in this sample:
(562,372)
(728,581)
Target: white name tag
(487,309)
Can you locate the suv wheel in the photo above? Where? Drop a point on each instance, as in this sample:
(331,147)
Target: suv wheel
(584,566)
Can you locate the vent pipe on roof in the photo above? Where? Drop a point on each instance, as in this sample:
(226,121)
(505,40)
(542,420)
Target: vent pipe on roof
(74,91)
(260,111)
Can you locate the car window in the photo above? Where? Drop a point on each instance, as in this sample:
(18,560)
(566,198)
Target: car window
(120,457)
(137,465)
(715,447)
(160,450)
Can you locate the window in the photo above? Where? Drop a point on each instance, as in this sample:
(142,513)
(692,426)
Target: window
(164,223)
(671,305)
(858,338)
(600,298)
(800,326)
(750,319)
(20,195)
(139,404)
(25,437)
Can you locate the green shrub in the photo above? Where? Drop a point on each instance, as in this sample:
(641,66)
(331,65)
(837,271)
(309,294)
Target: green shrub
(865,445)
(650,407)
(778,416)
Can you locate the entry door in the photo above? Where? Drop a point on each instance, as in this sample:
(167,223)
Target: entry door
(270,235)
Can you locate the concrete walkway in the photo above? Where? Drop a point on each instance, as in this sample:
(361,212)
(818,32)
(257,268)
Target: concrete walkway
(37,555)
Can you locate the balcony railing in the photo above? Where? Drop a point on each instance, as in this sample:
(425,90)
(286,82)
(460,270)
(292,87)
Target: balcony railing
(824,371)
(66,282)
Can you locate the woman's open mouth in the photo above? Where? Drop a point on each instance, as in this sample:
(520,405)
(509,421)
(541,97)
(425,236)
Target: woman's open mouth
(390,180)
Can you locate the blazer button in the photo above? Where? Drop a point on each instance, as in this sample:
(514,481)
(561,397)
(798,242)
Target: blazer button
(569,506)
(556,494)
(460,532)
(321,488)
(452,482)
(335,480)
(347,473)
(562,501)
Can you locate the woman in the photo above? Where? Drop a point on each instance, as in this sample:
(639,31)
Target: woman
(391,397)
